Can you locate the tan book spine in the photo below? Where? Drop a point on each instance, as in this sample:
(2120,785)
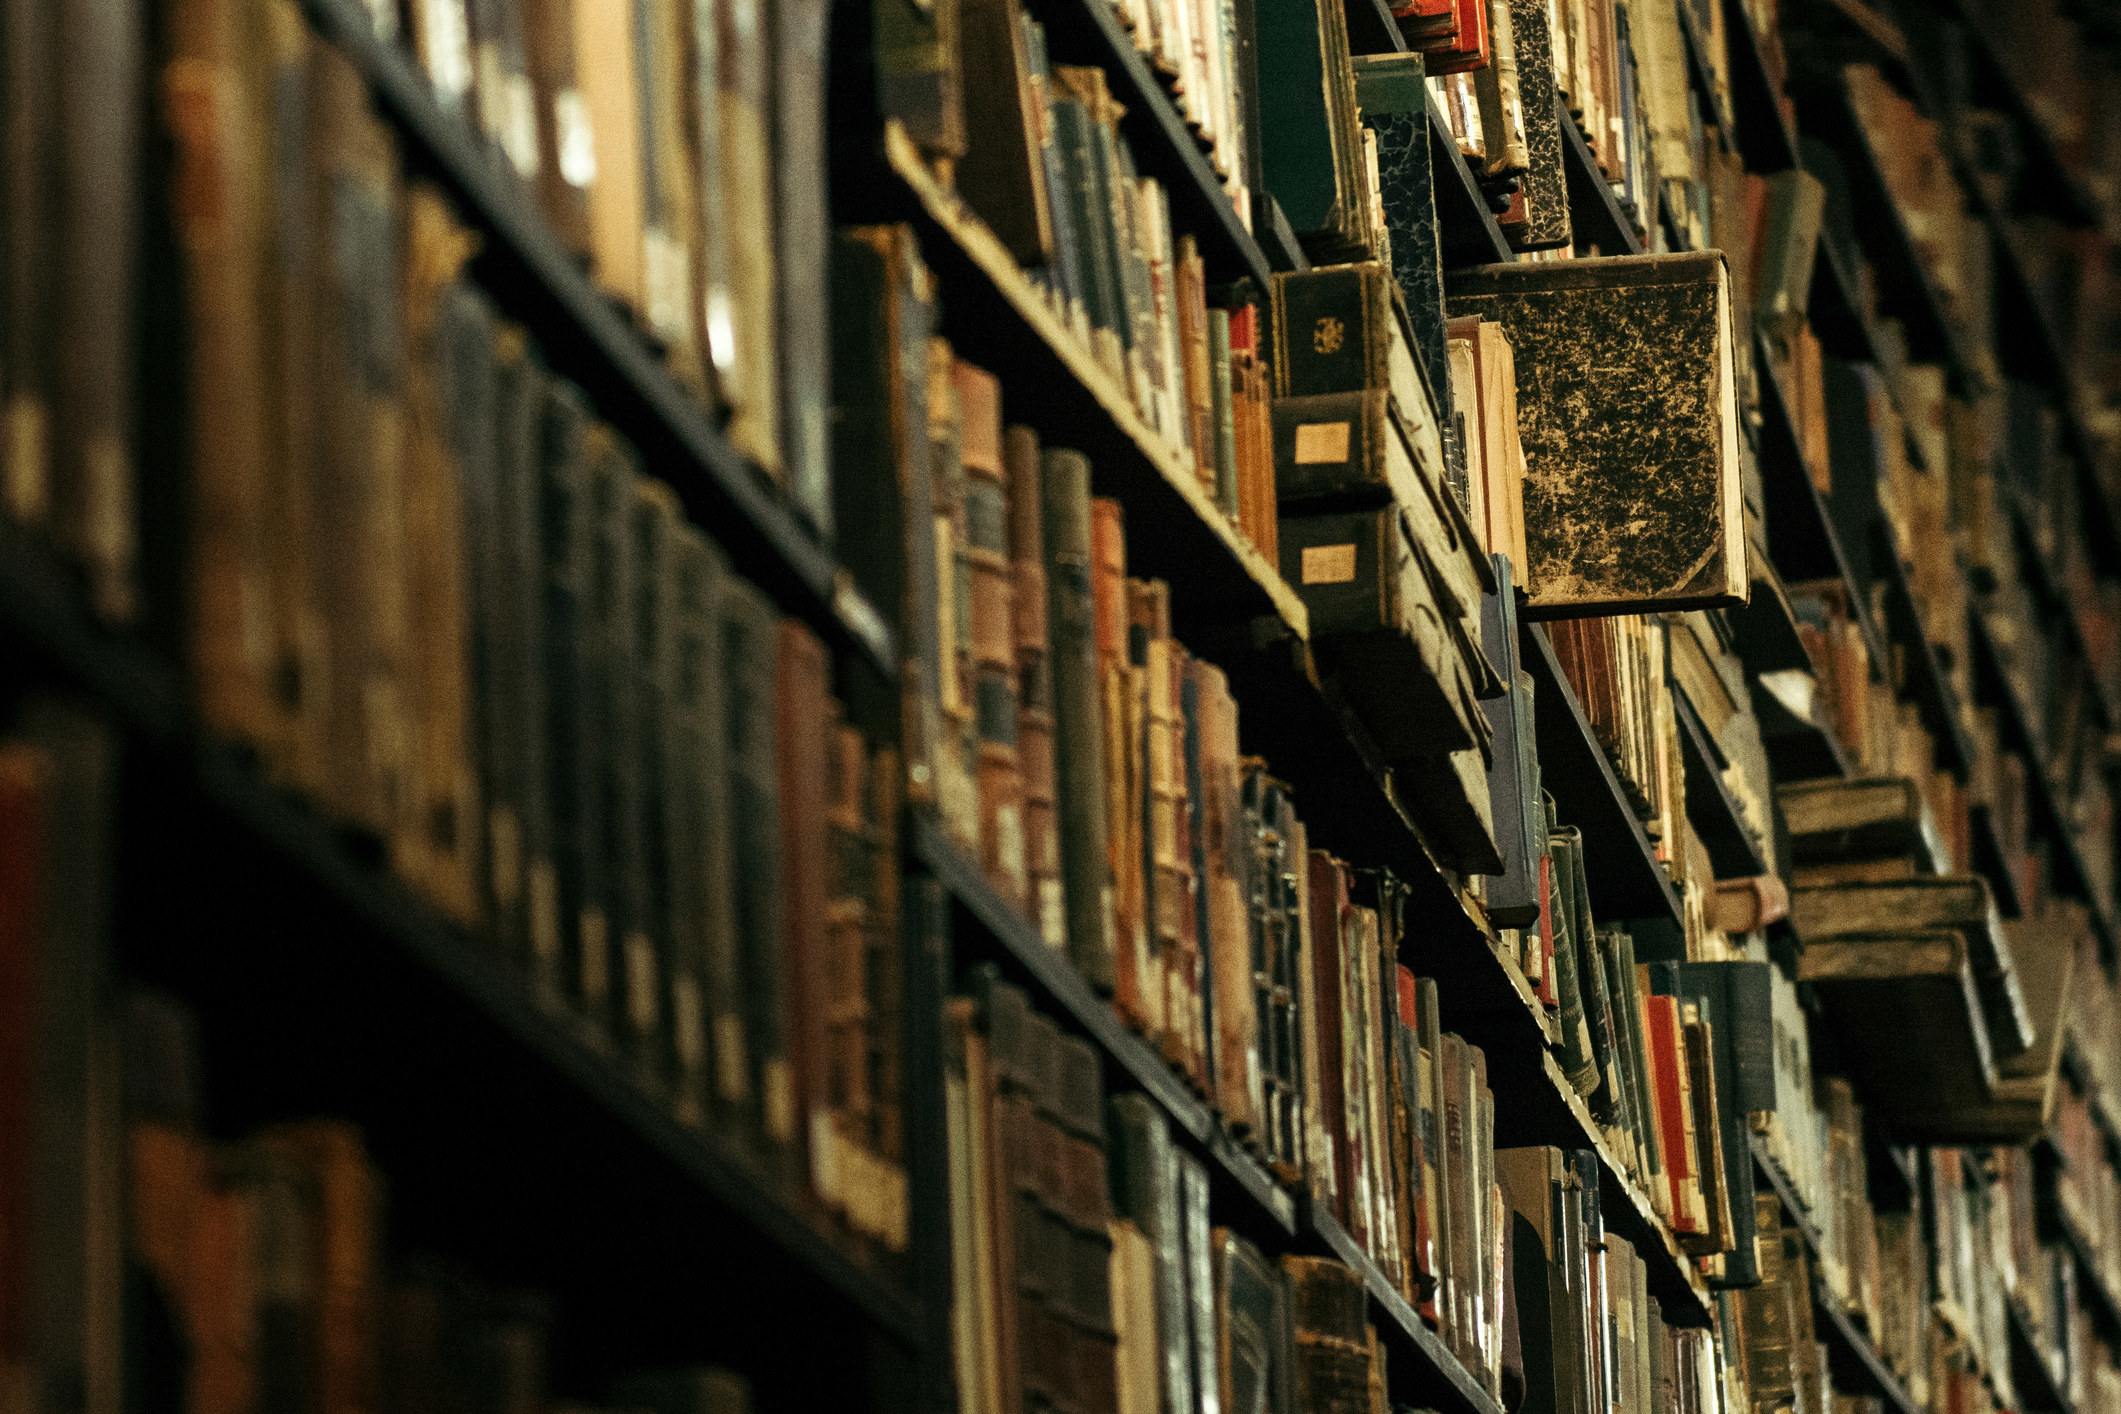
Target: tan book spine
(605,52)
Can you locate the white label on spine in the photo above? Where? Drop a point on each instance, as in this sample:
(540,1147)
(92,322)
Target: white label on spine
(1328,564)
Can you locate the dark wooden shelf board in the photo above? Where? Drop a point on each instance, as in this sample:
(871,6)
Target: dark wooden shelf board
(2072,877)
(583,338)
(1764,136)
(1371,28)
(1469,231)
(1627,881)
(1801,534)
(1764,631)
(1715,816)
(1931,687)
(1421,1370)
(1595,211)
(1089,32)
(1246,1196)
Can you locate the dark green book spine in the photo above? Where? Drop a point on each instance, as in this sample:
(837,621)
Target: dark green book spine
(1086,872)
(578,957)
(632,1004)
(750,1019)
(1087,205)
(657,522)
(698,835)
(1067,271)
(522,884)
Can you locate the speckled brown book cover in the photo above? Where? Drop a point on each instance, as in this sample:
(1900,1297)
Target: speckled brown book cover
(1627,413)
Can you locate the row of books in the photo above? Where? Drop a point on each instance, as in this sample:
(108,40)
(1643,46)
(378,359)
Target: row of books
(1087,1272)
(438,598)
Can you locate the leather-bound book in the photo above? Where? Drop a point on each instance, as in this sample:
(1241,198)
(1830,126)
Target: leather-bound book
(1333,1170)
(577,961)
(1088,198)
(563,135)
(447,460)
(1167,856)
(1199,1245)
(1311,155)
(1253,1338)
(325,1161)
(1705,1101)
(802,726)
(746,344)
(1237,918)
(883,315)
(922,75)
(843,1114)
(351,252)
(625,1002)
(1079,719)
(689,1389)
(1342,328)
(1194,374)
(697,827)
(1002,174)
(1123,630)
(1645,515)
(1545,181)
(803,256)
(992,596)
(1278,984)
(670,173)
(1327,1310)
(1065,270)
(1222,418)
(520,884)
(1034,687)
(751,1021)
(957,755)
(607,69)
(215,60)
(1146,1187)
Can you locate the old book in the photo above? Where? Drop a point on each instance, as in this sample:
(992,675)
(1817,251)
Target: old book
(1545,182)
(1862,819)
(883,478)
(1502,113)
(1518,818)
(1795,203)
(698,829)
(451,520)
(1134,1293)
(921,74)
(749,1022)
(803,722)
(744,337)
(1245,1039)
(565,145)
(607,70)
(1252,1328)
(1376,614)
(657,525)
(1342,328)
(671,194)
(1034,680)
(1705,1101)
(1002,173)
(1559,919)
(624,999)
(1200,1275)
(1147,1188)
(1311,154)
(1331,1168)
(1961,903)
(1327,1307)
(1940,1057)
(804,255)
(1079,740)
(1602,534)
(991,597)
(1533,1182)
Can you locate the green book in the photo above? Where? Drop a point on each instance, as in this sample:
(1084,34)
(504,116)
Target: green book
(1225,417)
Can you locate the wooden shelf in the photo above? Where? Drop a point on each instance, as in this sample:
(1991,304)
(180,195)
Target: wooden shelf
(1930,686)
(2071,876)
(1421,1369)
(1801,534)
(1856,1365)
(995,317)
(1243,1194)
(582,338)
(1089,32)
(1468,230)
(1764,630)
(1595,211)
(1627,882)
(1715,816)
(1764,135)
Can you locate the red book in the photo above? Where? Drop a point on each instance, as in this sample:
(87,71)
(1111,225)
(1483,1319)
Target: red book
(1666,1057)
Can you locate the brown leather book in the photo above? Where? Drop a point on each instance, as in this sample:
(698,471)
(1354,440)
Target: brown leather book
(957,751)
(1226,924)
(345,1219)
(1002,173)
(1329,911)
(607,67)
(1327,1310)
(352,453)
(846,1086)
(992,595)
(1166,873)
(1136,990)
(566,147)
(1199,404)
(449,485)
(1034,687)
(802,723)
(216,62)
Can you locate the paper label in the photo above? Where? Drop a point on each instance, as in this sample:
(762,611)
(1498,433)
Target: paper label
(640,982)
(732,1077)
(1321,443)
(1328,564)
(574,138)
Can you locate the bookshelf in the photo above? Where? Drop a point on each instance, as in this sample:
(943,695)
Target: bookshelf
(496,1115)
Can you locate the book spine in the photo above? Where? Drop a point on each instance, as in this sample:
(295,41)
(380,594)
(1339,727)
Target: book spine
(802,229)
(1034,667)
(1223,416)
(1078,718)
